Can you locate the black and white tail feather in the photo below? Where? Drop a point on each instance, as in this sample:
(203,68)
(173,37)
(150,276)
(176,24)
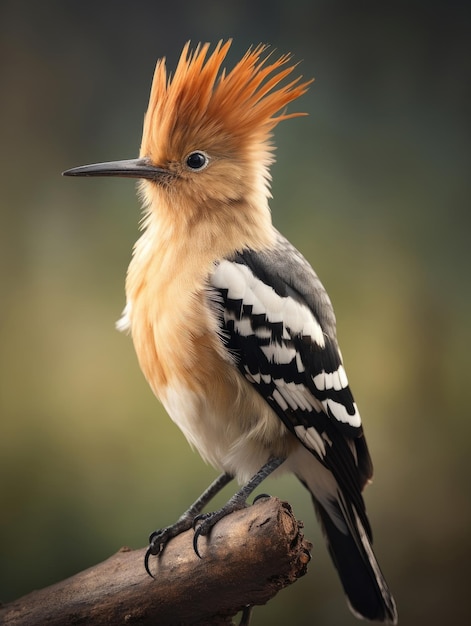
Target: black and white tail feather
(277,320)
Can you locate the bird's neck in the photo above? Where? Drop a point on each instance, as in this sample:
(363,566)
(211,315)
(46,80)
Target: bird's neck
(184,238)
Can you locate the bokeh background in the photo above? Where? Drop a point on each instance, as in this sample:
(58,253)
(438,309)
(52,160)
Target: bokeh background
(373,187)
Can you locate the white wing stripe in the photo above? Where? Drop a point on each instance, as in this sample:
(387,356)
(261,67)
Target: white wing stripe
(311,438)
(340,413)
(331,380)
(241,284)
(277,353)
(280,400)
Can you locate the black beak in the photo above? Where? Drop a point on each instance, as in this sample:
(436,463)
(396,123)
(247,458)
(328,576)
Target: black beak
(132,168)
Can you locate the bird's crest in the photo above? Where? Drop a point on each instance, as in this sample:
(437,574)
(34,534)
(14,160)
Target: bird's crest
(241,105)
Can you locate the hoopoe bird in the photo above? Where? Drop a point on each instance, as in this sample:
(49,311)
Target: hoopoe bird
(232,328)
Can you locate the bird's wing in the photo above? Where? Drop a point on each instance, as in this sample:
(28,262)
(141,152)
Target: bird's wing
(277,321)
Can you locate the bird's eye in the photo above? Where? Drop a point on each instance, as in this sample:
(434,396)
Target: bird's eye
(197,160)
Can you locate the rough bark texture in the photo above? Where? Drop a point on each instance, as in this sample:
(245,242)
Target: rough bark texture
(249,556)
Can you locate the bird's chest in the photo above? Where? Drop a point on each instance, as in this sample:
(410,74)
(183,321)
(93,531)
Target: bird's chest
(173,330)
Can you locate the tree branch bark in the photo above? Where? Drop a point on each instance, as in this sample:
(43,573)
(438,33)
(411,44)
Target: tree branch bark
(249,556)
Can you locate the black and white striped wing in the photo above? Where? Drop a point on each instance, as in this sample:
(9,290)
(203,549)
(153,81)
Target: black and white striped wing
(277,321)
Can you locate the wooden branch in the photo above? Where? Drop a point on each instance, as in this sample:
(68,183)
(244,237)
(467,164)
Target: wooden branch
(249,557)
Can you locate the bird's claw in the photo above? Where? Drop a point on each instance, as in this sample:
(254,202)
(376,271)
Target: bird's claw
(157,542)
(202,524)
(261,496)
(160,538)
(146,561)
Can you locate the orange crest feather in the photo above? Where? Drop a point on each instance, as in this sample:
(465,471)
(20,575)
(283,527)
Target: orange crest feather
(202,101)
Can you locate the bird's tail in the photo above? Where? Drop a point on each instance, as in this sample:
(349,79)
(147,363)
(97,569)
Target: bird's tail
(349,545)
(348,535)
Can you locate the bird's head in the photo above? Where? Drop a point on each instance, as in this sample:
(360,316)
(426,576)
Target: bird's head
(206,139)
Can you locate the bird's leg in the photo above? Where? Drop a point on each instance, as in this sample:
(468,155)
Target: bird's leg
(159,538)
(205,521)
(246,615)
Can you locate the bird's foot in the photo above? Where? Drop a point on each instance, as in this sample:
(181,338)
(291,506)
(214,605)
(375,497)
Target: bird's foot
(159,538)
(203,523)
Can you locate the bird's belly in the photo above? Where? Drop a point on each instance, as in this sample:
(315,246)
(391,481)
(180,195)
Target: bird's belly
(235,431)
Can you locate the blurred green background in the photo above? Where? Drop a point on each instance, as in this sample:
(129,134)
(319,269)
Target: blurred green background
(373,187)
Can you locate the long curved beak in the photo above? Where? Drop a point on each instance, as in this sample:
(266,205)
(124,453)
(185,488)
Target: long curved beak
(131,168)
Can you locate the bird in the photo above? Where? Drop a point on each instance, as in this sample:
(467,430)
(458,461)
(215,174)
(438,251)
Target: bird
(233,329)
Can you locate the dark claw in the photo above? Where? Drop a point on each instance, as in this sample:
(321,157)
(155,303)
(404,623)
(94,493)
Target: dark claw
(198,518)
(153,535)
(261,496)
(149,553)
(154,549)
(196,536)
(199,530)
(156,542)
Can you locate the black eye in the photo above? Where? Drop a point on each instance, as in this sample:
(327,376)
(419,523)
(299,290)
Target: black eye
(197,160)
